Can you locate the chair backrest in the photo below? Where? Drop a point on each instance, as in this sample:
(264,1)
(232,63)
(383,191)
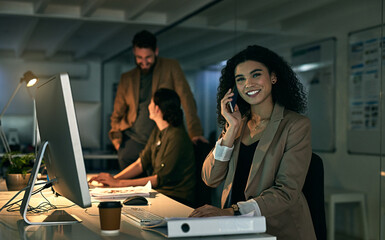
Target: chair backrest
(203,192)
(313,190)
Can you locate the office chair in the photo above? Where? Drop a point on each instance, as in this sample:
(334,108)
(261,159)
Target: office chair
(313,190)
(202,192)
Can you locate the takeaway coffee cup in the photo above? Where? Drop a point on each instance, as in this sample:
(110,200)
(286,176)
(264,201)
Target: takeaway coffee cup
(109,213)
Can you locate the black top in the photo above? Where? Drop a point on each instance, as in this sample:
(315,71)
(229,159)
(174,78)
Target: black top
(245,158)
(141,129)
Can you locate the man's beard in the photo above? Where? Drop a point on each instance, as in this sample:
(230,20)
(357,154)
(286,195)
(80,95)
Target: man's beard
(148,70)
(145,71)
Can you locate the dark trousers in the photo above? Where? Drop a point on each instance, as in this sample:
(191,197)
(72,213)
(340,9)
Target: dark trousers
(129,151)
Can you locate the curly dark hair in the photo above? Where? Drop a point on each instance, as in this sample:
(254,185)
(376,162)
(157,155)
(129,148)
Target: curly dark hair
(287,91)
(144,39)
(169,103)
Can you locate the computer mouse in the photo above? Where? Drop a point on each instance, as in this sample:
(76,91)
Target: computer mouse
(135,200)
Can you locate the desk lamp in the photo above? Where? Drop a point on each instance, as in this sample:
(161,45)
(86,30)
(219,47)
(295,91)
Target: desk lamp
(30,79)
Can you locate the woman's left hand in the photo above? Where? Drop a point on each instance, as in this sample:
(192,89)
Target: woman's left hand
(211,211)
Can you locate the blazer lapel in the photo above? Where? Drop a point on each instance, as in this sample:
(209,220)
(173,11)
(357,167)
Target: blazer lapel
(136,87)
(156,76)
(264,144)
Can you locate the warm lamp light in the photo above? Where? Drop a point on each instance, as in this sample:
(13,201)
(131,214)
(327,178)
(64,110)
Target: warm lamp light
(30,79)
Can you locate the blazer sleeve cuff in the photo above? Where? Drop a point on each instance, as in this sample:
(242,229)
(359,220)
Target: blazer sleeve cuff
(249,206)
(222,153)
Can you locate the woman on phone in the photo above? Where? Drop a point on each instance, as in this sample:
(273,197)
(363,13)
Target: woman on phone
(264,151)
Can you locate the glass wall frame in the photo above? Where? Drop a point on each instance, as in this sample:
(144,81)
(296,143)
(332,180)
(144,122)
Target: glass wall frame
(281,26)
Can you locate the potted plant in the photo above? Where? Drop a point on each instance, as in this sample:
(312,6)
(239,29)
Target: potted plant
(19,168)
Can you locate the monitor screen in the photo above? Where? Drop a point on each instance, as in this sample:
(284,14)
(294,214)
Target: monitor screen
(58,127)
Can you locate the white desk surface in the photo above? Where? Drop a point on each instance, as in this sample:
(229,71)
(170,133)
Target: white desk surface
(12,225)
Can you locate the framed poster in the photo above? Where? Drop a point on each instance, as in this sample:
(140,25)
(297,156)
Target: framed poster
(364,91)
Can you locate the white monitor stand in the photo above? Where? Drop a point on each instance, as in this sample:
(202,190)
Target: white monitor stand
(55,218)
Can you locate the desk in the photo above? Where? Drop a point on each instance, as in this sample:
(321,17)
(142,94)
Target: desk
(12,225)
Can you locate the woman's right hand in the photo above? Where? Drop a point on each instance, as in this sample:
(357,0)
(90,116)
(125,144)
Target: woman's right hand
(233,118)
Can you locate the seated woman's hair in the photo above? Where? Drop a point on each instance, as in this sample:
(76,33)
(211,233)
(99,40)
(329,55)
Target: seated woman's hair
(169,103)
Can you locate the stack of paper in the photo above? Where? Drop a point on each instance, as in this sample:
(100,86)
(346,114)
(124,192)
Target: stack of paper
(121,192)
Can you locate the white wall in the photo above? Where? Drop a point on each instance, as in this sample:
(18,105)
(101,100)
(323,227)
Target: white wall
(85,81)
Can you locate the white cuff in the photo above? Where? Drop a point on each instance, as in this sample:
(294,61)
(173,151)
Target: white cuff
(222,153)
(249,206)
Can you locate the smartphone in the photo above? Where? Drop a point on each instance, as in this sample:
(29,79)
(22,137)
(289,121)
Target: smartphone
(231,104)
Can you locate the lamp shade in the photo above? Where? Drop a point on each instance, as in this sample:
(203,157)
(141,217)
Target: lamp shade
(29,78)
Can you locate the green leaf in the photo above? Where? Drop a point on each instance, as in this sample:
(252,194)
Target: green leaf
(20,163)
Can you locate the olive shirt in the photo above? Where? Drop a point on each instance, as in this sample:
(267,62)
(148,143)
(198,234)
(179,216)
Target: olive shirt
(278,171)
(170,155)
(167,74)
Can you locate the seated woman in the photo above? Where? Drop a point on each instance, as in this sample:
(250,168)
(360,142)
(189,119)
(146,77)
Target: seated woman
(168,157)
(265,149)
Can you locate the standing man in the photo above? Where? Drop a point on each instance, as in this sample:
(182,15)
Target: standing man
(130,123)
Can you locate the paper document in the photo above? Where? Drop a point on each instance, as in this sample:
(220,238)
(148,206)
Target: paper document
(121,192)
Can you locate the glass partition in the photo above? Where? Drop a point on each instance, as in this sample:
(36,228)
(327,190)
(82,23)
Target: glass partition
(337,36)
(382,140)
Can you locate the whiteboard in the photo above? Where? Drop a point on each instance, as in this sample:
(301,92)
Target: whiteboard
(314,63)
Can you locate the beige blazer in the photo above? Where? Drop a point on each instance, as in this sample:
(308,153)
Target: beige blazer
(167,74)
(277,174)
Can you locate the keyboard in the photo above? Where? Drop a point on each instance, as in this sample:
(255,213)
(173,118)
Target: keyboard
(141,215)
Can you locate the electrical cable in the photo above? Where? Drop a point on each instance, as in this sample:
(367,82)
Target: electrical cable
(47,184)
(42,207)
(91,214)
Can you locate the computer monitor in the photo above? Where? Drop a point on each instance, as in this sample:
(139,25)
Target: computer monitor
(61,149)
